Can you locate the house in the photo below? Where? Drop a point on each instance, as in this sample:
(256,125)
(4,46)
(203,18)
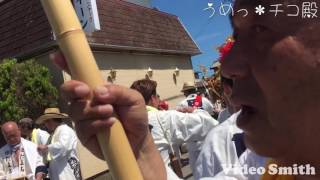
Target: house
(134,42)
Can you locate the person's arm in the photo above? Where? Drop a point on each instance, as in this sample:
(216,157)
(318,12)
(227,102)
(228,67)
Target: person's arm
(94,116)
(41,169)
(43,136)
(186,127)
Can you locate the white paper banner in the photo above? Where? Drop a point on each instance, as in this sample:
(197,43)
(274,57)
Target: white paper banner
(88,14)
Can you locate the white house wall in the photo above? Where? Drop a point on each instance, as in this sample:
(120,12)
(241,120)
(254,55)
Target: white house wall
(131,67)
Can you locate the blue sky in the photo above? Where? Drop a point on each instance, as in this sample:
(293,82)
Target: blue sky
(207,32)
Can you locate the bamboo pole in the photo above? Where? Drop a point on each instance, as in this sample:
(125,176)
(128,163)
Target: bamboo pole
(73,43)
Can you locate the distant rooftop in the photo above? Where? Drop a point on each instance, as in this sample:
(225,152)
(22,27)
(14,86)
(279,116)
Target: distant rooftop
(24,29)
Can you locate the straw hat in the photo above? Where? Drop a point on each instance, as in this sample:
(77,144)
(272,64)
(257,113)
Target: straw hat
(187,86)
(51,113)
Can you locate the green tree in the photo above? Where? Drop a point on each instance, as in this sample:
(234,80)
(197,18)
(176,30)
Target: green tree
(25,90)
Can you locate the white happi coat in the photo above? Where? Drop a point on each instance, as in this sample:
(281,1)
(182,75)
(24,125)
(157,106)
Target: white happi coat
(218,149)
(178,127)
(64,163)
(219,155)
(195,146)
(31,161)
(39,136)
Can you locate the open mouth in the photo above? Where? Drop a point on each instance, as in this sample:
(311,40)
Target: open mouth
(246,116)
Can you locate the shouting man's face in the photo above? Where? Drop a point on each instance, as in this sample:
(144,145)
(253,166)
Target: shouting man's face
(275,66)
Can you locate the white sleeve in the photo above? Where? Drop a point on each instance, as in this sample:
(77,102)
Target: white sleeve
(208,163)
(207,105)
(218,150)
(43,136)
(39,161)
(186,127)
(63,145)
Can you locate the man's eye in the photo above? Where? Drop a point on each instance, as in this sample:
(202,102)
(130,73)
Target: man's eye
(259,28)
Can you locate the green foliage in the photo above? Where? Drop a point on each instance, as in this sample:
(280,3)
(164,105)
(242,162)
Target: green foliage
(25,90)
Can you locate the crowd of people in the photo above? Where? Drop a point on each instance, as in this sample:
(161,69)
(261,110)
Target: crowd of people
(271,120)
(189,123)
(274,68)
(33,153)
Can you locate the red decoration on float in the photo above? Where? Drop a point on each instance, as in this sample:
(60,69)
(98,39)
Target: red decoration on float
(225,49)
